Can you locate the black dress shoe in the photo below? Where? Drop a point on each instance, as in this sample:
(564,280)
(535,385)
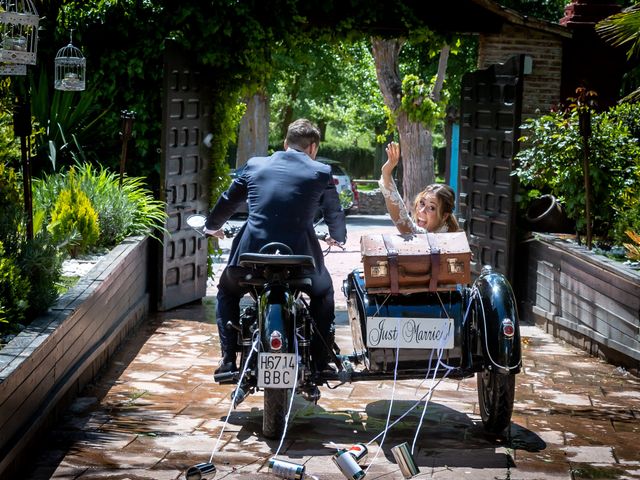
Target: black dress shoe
(226,367)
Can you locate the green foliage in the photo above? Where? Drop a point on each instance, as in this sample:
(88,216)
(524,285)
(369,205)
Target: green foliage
(28,268)
(551,10)
(9,144)
(65,122)
(332,84)
(14,290)
(122,211)
(41,263)
(358,161)
(74,221)
(551,162)
(418,102)
(11,210)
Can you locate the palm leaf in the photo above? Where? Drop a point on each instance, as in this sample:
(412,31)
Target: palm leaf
(622,29)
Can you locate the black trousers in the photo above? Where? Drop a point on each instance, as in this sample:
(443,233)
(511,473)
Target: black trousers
(322,306)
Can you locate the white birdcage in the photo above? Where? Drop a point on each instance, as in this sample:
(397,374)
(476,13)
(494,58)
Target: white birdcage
(18,32)
(70,69)
(13,69)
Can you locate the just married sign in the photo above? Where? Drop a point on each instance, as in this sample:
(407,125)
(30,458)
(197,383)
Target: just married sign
(394,332)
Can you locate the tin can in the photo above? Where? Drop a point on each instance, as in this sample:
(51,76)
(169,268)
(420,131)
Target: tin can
(348,465)
(359,452)
(197,471)
(405,460)
(289,470)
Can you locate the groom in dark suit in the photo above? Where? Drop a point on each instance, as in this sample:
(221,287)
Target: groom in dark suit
(283,191)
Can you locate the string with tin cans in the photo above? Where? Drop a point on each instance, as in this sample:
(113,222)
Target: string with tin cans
(254,348)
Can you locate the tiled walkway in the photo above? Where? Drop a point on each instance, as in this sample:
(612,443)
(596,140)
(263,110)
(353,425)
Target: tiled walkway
(156,411)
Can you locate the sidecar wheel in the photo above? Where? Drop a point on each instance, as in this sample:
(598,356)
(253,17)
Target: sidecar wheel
(496,393)
(275,409)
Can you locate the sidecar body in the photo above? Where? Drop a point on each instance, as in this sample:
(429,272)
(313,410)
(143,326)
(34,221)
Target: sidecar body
(452,333)
(461,331)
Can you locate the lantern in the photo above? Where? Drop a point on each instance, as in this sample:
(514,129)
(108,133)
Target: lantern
(70,69)
(18,32)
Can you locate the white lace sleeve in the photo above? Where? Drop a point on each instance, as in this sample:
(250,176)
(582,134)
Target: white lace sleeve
(404,219)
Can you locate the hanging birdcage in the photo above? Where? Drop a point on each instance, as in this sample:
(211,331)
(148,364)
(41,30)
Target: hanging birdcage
(13,69)
(18,32)
(70,69)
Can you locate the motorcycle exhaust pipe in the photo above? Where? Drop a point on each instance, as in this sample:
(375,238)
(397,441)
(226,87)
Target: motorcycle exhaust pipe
(226,377)
(197,471)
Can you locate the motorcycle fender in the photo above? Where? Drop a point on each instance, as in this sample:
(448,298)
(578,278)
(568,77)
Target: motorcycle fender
(497,320)
(276,319)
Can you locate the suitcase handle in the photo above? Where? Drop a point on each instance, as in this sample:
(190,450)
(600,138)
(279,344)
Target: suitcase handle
(404,273)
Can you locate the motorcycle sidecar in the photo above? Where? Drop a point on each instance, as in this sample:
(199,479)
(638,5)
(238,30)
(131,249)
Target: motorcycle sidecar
(470,330)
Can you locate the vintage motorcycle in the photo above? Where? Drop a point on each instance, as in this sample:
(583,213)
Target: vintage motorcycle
(470,330)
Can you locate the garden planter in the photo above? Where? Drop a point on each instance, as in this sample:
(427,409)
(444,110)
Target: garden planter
(48,363)
(589,300)
(546,214)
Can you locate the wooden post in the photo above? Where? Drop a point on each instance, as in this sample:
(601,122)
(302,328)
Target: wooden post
(22,129)
(127,127)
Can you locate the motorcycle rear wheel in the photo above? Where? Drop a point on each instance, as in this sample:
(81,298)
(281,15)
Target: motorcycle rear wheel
(496,393)
(274,412)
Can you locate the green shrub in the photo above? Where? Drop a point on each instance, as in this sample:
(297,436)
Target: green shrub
(551,162)
(11,210)
(41,263)
(74,221)
(122,211)
(14,291)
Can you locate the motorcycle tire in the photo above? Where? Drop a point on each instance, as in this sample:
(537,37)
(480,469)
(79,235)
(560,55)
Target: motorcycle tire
(496,393)
(274,412)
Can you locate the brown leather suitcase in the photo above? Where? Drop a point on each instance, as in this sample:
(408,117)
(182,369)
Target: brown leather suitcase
(395,263)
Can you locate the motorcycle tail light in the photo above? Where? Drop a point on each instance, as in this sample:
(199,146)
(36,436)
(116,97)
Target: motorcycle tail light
(508,329)
(275,342)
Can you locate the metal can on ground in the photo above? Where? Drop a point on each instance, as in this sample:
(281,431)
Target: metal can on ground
(348,465)
(359,452)
(197,471)
(288,470)
(405,460)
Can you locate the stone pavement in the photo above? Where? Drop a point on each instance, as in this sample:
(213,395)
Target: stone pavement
(156,411)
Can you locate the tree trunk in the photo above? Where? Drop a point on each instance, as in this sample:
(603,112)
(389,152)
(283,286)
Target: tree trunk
(253,137)
(415,140)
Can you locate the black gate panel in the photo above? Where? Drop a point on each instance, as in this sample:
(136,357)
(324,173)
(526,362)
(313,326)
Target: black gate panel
(490,116)
(185,160)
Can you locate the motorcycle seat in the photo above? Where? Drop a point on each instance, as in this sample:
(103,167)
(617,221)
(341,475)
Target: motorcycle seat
(254,260)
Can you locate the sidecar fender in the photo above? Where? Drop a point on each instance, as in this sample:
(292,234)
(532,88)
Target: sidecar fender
(496,315)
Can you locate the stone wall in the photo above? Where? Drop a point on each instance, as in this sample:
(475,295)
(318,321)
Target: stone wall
(371,203)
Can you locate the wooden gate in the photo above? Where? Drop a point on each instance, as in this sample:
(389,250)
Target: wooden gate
(184,179)
(490,117)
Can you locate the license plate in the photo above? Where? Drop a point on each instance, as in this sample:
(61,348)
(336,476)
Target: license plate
(276,370)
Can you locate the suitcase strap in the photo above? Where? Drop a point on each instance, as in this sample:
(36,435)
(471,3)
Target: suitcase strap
(435,270)
(392,258)
(435,264)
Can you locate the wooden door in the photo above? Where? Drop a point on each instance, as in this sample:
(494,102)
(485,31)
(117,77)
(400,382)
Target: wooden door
(489,129)
(185,179)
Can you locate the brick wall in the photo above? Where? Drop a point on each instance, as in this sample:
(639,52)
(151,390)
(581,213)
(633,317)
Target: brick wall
(542,86)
